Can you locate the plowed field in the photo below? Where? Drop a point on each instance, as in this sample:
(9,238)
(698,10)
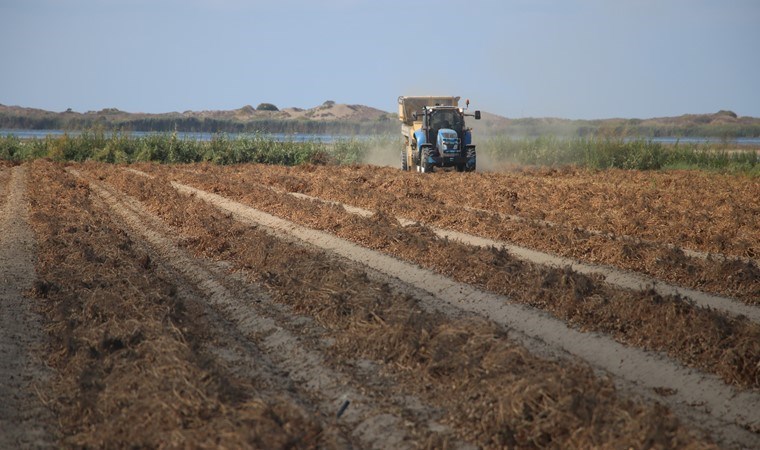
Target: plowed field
(361,307)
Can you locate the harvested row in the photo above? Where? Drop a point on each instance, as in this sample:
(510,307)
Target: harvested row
(732,277)
(127,349)
(249,315)
(611,275)
(494,392)
(699,337)
(622,237)
(694,210)
(705,400)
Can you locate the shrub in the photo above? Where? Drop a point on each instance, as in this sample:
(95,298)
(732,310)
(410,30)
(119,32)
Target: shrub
(267,107)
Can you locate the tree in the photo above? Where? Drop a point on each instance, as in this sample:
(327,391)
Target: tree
(723,112)
(266,107)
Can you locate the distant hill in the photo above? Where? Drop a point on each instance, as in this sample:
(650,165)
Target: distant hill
(328,111)
(721,124)
(336,118)
(329,117)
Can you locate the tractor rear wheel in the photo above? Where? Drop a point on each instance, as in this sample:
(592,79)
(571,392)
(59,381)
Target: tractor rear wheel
(470,157)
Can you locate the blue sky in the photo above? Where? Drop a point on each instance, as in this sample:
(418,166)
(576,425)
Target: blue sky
(518,58)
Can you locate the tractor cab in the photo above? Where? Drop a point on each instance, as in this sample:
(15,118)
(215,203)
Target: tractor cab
(443,118)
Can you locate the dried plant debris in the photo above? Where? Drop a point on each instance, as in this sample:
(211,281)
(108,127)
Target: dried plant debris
(130,350)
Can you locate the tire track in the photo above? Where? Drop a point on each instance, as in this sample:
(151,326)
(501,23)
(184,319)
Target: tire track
(371,425)
(25,421)
(704,395)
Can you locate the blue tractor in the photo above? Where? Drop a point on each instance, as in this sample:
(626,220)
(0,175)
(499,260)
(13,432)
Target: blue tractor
(435,134)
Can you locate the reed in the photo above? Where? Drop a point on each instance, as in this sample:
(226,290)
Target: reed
(169,148)
(605,153)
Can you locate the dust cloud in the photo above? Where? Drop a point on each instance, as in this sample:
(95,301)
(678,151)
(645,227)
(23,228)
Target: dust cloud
(488,162)
(383,155)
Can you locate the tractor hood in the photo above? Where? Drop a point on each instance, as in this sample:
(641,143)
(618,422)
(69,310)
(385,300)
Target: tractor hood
(448,141)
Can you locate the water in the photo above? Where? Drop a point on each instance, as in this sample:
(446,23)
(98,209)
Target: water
(197,136)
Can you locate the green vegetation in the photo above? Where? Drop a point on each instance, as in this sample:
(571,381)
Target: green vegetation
(725,130)
(723,124)
(599,153)
(604,153)
(166,124)
(629,128)
(169,148)
(267,107)
(199,125)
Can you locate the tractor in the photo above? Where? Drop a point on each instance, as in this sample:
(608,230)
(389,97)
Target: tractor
(435,135)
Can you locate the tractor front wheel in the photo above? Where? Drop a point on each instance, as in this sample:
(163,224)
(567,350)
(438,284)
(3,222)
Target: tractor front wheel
(425,165)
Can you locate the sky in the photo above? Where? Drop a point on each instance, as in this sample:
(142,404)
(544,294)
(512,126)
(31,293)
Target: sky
(577,59)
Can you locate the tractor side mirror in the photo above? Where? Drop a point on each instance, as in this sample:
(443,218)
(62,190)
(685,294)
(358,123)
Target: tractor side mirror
(477,115)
